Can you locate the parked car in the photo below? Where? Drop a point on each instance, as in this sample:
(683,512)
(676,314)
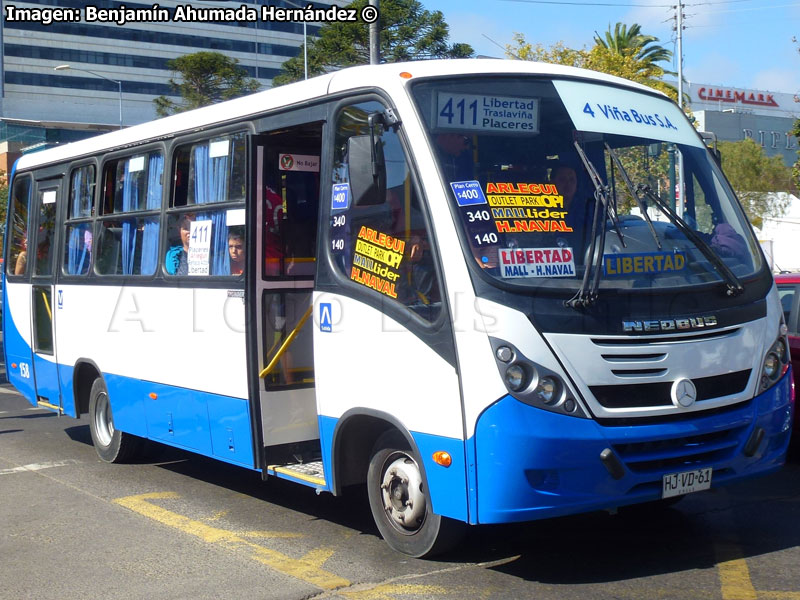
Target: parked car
(789,291)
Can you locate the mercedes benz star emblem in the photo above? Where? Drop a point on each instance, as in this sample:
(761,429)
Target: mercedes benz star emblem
(683,393)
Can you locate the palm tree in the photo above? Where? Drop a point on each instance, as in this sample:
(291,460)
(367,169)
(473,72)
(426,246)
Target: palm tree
(631,42)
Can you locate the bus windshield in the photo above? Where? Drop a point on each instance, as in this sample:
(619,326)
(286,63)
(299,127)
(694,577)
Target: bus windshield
(560,183)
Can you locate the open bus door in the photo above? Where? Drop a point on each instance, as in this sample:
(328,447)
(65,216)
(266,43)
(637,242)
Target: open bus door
(41,253)
(285,175)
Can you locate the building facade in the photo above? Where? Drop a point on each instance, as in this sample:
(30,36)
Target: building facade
(734,114)
(117,55)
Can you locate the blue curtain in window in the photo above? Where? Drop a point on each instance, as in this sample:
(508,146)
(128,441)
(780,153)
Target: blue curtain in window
(130,202)
(77,252)
(155,168)
(211,185)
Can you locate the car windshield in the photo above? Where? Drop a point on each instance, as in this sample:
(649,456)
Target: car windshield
(568,184)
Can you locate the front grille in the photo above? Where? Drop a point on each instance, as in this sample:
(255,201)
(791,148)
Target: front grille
(681,453)
(653,395)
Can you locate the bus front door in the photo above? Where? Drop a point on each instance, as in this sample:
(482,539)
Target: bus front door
(285,166)
(41,251)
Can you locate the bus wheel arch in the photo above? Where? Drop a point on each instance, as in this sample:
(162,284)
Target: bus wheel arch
(82,379)
(356,433)
(111,444)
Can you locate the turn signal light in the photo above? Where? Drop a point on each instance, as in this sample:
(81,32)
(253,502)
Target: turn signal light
(13,365)
(442,458)
(405,75)
(153,395)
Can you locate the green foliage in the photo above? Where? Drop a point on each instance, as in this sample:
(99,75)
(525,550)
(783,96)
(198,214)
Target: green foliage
(625,53)
(753,175)
(407,32)
(796,165)
(632,42)
(204,78)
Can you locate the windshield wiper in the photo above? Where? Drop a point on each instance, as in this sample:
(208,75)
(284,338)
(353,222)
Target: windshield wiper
(733,286)
(632,191)
(587,293)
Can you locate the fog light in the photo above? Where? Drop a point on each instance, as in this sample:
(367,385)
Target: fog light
(515,377)
(569,405)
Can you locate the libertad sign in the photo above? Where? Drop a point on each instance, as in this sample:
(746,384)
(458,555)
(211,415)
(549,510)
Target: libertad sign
(736,96)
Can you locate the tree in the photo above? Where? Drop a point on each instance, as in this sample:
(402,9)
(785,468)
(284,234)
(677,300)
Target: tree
(633,42)
(796,166)
(204,78)
(408,32)
(633,59)
(753,175)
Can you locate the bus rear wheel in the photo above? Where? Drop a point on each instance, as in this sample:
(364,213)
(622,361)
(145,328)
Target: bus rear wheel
(111,444)
(400,502)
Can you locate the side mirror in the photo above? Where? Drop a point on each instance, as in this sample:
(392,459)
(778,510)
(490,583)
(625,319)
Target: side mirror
(367,170)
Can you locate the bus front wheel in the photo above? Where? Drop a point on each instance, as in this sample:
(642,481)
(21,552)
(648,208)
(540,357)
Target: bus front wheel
(400,502)
(111,444)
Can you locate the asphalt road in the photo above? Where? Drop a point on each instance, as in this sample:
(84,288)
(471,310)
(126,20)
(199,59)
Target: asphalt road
(175,525)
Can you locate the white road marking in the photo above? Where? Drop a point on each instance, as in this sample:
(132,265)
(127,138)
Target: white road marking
(38,466)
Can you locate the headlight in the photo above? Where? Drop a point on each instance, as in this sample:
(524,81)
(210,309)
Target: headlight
(776,362)
(515,377)
(533,383)
(547,390)
(772,365)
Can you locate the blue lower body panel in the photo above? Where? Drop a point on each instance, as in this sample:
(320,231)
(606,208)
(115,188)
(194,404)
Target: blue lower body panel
(532,464)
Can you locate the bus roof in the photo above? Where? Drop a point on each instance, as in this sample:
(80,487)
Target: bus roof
(338,81)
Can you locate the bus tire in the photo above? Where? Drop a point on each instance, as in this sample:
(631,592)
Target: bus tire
(401,505)
(111,444)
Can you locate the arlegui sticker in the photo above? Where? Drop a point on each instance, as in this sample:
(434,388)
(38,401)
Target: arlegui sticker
(536,262)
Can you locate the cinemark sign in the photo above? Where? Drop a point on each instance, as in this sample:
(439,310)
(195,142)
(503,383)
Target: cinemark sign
(733,96)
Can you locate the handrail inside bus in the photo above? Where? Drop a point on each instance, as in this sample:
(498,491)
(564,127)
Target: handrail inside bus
(47,306)
(286,343)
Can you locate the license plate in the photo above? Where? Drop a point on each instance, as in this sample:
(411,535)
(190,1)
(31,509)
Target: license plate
(677,484)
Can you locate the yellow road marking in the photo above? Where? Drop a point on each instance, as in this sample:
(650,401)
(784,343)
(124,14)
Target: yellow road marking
(307,568)
(388,591)
(734,575)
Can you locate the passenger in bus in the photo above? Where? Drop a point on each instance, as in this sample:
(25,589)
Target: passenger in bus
(455,156)
(22,259)
(565,179)
(177,258)
(236,250)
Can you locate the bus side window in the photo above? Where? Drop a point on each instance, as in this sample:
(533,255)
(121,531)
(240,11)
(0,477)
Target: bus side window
(205,235)
(17,259)
(128,230)
(385,247)
(78,254)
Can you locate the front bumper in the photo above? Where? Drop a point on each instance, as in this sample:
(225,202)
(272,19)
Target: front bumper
(532,464)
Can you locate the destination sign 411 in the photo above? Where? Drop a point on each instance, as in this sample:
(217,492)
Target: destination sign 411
(478,112)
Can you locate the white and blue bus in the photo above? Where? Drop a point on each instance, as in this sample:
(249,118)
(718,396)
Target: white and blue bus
(464,285)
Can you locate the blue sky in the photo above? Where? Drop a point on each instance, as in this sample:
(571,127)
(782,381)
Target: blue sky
(732,43)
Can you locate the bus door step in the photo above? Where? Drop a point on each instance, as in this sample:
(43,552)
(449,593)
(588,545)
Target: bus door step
(310,473)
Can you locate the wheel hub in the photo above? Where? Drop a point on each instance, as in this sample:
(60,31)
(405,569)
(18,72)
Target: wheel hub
(403,496)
